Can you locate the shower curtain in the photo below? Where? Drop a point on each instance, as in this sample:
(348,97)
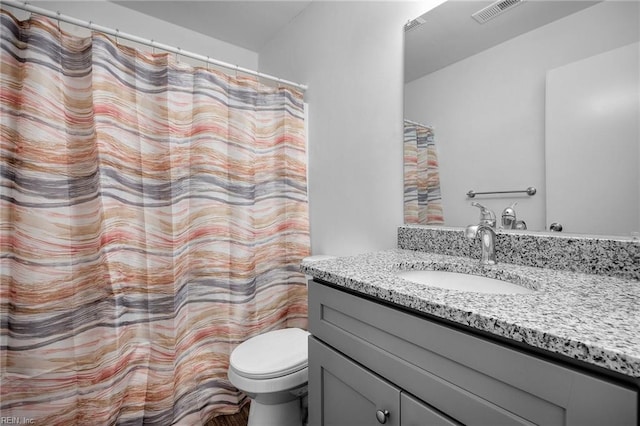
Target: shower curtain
(153,217)
(422,199)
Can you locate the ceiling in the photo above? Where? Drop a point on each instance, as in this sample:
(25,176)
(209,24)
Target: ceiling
(248,24)
(449,33)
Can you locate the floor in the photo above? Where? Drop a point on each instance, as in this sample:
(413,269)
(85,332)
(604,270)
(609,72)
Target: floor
(239,419)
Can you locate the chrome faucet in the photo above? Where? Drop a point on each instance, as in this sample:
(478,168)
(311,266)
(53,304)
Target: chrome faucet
(487,242)
(509,217)
(487,216)
(509,220)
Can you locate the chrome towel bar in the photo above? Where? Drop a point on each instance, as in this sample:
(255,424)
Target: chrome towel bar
(530,191)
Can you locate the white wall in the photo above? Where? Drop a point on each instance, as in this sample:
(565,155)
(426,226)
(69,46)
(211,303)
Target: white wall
(351,56)
(488,110)
(592,108)
(129,21)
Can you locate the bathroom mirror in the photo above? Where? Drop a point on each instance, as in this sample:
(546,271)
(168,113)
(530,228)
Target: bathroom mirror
(543,94)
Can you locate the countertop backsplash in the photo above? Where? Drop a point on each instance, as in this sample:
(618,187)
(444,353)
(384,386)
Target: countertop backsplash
(616,257)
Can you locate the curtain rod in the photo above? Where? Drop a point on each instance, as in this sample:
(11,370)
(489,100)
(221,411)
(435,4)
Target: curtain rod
(119,34)
(418,124)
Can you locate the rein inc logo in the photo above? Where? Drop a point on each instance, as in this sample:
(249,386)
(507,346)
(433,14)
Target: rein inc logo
(5,420)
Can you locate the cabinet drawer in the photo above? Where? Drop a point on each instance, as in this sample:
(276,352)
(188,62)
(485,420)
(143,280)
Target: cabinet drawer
(480,381)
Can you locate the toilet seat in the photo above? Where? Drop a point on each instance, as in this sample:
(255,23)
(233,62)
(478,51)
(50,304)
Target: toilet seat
(270,355)
(272,362)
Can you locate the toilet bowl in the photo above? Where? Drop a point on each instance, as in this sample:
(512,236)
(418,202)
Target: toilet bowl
(271,369)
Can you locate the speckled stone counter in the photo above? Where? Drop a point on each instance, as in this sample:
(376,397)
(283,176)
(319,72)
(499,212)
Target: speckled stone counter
(588,317)
(615,256)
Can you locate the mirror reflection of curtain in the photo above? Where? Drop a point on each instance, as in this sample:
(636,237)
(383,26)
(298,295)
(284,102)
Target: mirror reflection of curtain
(422,198)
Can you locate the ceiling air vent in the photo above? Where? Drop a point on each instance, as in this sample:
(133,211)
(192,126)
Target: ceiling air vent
(414,23)
(495,9)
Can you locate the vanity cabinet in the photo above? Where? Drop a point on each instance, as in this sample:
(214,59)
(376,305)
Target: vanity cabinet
(350,394)
(369,359)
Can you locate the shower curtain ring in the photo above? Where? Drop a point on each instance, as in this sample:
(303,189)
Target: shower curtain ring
(58,19)
(153,48)
(208,59)
(117,34)
(177,53)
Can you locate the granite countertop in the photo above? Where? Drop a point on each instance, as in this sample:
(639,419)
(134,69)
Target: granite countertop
(591,318)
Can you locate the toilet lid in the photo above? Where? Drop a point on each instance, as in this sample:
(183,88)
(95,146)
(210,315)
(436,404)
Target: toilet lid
(272,354)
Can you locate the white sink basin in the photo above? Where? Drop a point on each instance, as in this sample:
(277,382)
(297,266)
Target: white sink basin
(463,282)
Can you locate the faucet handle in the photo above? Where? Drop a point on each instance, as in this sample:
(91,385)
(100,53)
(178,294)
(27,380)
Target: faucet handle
(487,216)
(509,217)
(510,210)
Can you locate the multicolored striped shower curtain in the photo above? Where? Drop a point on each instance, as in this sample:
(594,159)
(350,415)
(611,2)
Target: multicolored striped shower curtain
(153,217)
(422,199)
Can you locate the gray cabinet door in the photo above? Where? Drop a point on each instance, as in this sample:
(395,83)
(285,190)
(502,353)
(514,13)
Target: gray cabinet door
(414,412)
(342,393)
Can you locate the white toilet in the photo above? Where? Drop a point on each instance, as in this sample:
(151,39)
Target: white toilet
(271,369)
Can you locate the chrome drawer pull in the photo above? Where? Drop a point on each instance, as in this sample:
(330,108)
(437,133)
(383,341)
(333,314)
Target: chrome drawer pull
(382,416)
